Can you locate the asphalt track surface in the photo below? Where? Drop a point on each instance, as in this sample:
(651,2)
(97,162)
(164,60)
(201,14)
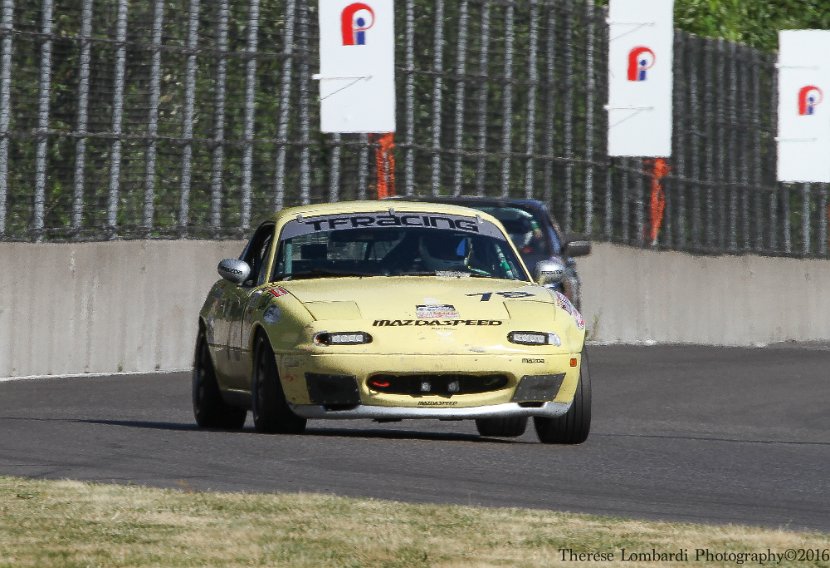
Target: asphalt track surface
(697,434)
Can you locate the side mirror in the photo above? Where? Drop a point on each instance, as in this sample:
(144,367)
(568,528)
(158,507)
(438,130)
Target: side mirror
(578,248)
(234,270)
(549,272)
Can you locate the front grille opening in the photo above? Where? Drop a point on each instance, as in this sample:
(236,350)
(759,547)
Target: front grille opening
(436,384)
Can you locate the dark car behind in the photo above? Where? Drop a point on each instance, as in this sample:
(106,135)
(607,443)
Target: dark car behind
(535,233)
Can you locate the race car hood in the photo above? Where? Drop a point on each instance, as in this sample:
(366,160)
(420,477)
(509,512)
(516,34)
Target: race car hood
(420,298)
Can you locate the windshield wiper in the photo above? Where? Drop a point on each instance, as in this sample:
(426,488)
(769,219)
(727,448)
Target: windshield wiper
(442,273)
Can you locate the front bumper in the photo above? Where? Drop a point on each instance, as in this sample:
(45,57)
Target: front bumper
(509,409)
(338,386)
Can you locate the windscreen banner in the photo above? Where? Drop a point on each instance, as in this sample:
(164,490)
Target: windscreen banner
(640,62)
(357,66)
(803,106)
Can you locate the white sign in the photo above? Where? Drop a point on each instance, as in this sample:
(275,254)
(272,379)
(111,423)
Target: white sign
(804,106)
(357,66)
(640,62)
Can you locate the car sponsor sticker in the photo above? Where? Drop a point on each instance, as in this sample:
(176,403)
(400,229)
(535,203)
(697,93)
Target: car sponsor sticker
(425,322)
(390,219)
(277,291)
(436,311)
(564,303)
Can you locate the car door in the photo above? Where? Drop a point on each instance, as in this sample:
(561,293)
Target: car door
(218,326)
(242,301)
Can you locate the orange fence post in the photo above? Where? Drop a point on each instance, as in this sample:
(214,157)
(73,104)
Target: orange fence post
(385,163)
(660,169)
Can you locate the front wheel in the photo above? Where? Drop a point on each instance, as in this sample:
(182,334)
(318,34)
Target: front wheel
(573,427)
(272,414)
(209,409)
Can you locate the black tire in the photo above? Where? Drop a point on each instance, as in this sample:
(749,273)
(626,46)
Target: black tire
(507,427)
(268,405)
(574,426)
(209,409)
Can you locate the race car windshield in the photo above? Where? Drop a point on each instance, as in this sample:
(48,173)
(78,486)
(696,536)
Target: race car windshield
(320,249)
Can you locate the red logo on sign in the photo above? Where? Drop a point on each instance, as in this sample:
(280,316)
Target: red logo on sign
(809,98)
(640,60)
(354,23)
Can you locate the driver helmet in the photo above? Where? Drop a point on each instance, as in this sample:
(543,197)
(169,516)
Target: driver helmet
(520,225)
(445,251)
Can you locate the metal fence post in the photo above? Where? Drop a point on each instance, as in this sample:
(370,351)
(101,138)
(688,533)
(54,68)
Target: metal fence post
(568,120)
(823,213)
(305,118)
(483,95)
(590,94)
(460,86)
(220,86)
(683,138)
(334,179)
(806,192)
(608,224)
(83,117)
(363,167)
(773,197)
(533,82)
(250,108)
(625,197)
(5,107)
(785,212)
(153,118)
(710,104)
(640,213)
(721,117)
(117,118)
(744,148)
(285,102)
(730,150)
(695,122)
(550,103)
(409,99)
(507,106)
(757,171)
(187,116)
(44,94)
(437,92)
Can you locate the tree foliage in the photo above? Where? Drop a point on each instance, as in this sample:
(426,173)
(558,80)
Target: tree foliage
(754,23)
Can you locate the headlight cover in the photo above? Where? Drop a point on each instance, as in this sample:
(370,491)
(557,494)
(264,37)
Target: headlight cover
(342,338)
(534,338)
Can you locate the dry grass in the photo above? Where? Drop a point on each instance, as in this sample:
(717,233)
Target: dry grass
(69,523)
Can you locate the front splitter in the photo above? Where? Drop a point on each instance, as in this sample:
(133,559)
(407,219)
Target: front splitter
(506,410)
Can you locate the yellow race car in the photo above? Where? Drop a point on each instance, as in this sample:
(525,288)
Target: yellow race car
(389,311)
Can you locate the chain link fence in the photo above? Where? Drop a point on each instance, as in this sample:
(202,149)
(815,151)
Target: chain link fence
(189,118)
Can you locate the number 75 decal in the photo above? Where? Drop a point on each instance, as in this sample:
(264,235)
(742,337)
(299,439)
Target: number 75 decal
(485,296)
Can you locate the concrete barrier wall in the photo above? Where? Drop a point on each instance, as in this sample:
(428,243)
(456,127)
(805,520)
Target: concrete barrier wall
(632,295)
(132,306)
(103,307)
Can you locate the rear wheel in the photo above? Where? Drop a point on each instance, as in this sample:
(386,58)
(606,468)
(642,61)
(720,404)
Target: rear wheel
(272,414)
(503,427)
(209,409)
(574,426)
